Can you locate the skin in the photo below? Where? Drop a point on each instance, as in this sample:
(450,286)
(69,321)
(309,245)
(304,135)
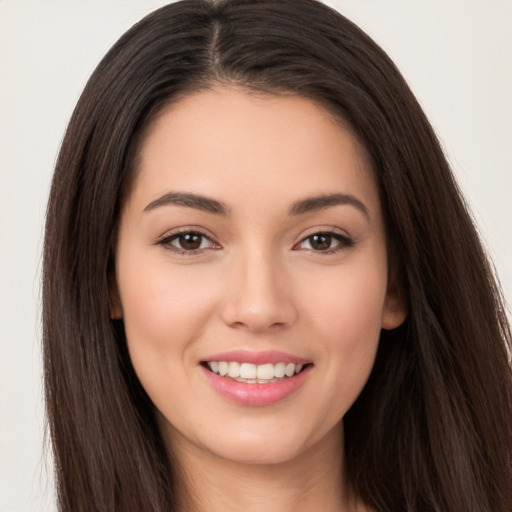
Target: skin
(258,282)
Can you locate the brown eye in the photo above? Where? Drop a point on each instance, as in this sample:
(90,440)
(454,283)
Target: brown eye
(320,241)
(325,242)
(189,241)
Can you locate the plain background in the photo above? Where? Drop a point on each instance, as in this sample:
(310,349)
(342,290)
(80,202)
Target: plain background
(456,55)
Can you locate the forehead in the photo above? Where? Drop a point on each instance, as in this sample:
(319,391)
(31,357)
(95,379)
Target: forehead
(226,142)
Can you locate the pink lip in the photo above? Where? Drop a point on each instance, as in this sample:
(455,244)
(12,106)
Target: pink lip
(255,394)
(260,357)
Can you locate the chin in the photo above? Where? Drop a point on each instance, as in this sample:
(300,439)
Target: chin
(274,442)
(262,452)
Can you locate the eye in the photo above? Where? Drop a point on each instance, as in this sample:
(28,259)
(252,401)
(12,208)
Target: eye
(326,242)
(188,242)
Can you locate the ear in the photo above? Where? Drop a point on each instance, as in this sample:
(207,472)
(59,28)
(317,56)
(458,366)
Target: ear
(114,300)
(395,307)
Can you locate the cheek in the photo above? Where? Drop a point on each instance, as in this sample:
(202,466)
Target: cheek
(346,324)
(164,310)
(349,301)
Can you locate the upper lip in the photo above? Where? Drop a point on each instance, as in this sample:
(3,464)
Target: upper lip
(256,357)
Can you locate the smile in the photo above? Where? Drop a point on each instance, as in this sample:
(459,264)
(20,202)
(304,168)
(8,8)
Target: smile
(253,373)
(255,378)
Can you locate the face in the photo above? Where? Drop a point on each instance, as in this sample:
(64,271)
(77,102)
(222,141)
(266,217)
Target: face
(252,275)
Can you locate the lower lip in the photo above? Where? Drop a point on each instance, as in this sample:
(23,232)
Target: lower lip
(255,394)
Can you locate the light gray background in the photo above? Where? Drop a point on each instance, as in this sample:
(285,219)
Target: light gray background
(456,55)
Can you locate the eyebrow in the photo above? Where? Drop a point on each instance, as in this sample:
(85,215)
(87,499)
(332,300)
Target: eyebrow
(313,204)
(206,204)
(191,201)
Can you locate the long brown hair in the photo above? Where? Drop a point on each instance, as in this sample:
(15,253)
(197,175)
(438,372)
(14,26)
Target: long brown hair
(431,430)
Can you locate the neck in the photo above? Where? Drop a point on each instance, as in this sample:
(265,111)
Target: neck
(313,480)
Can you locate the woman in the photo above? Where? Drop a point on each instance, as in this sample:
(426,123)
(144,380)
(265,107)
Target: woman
(257,283)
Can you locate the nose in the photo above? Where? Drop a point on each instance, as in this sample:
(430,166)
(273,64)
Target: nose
(258,295)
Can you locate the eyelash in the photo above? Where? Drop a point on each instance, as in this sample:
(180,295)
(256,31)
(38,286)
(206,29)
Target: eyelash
(344,242)
(166,242)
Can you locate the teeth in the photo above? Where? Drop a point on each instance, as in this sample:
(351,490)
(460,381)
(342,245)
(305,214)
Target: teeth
(280,370)
(265,371)
(223,368)
(252,372)
(247,371)
(234,369)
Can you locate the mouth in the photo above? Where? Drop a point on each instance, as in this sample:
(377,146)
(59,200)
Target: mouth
(256,378)
(250,373)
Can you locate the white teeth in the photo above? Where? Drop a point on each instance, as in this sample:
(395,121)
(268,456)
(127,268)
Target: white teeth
(234,369)
(290,369)
(252,372)
(223,368)
(279,370)
(247,371)
(266,371)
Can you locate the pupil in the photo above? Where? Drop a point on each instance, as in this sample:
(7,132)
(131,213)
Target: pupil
(190,241)
(320,242)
